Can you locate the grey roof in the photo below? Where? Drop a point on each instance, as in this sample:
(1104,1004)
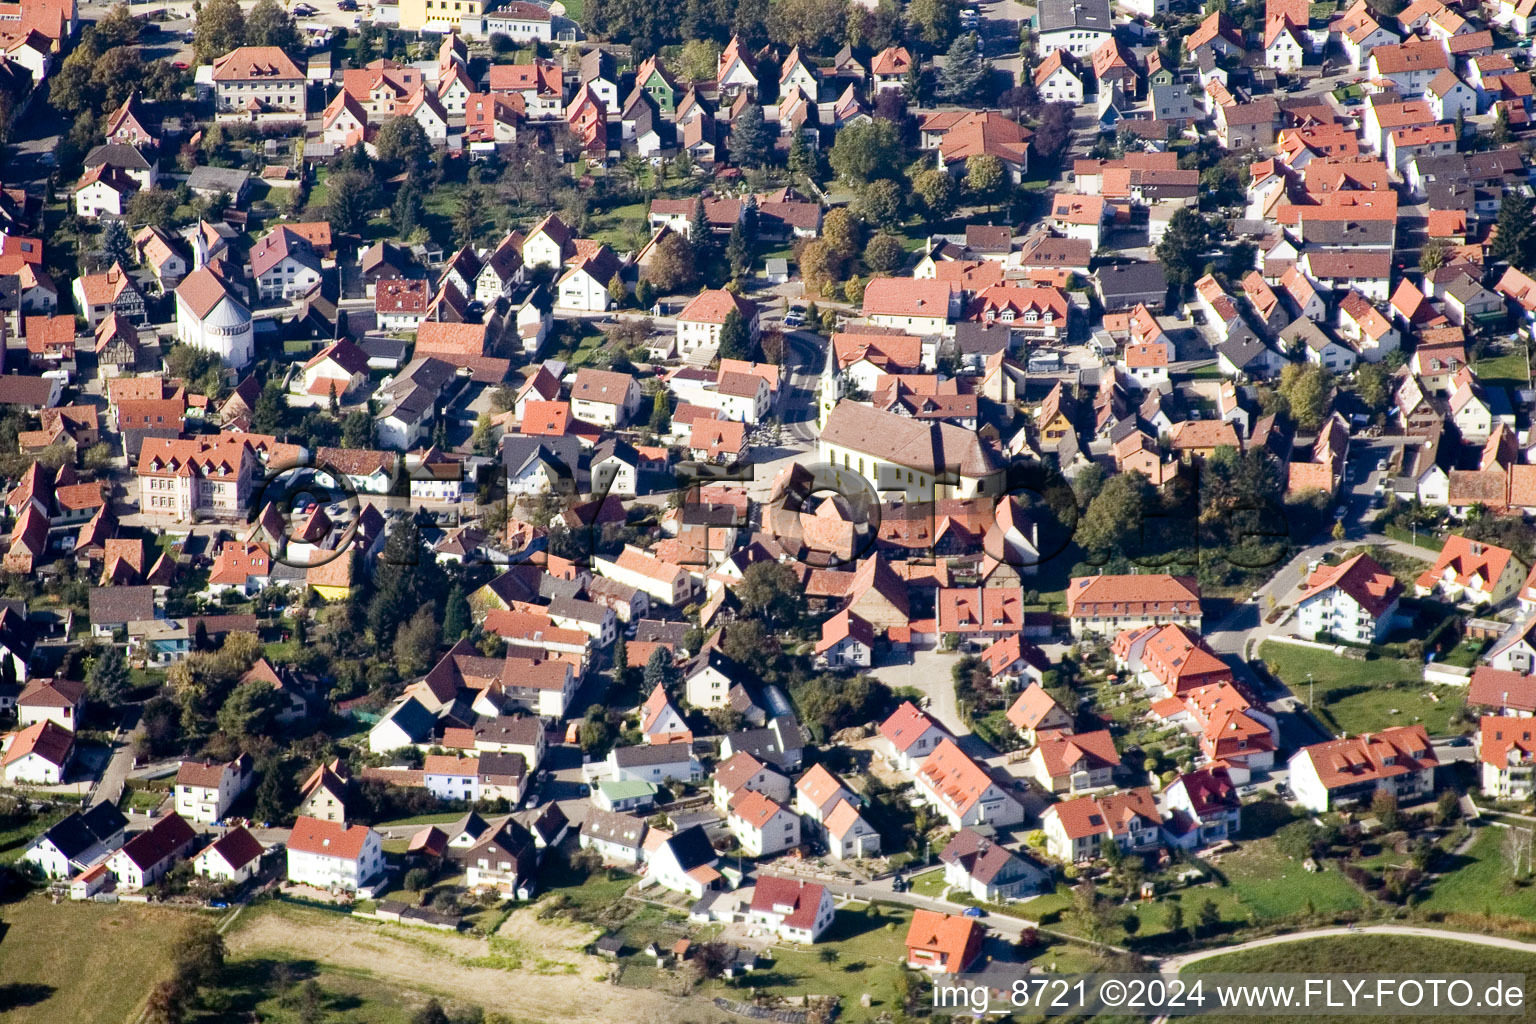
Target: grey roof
(1308,333)
(1348,233)
(1131,278)
(412,717)
(652,754)
(975,338)
(563,453)
(80,831)
(218,179)
(117,154)
(1242,351)
(113,605)
(1056,15)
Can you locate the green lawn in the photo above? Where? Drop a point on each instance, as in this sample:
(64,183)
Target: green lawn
(424,819)
(930,883)
(1481,886)
(870,946)
(1370,954)
(617,225)
(1360,696)
(113,954)
(1508,370)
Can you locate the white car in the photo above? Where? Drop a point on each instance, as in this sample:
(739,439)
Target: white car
(793,320)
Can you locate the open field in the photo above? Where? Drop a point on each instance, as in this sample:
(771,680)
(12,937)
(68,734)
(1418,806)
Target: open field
(84,963)
(527,971)
(1360,696)
(1370,954)
(1480,886)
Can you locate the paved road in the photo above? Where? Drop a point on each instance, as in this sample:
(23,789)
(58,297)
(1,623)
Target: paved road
(1174,964)
(110,788)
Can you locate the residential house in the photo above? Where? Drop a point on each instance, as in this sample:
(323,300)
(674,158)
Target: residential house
(1399,761)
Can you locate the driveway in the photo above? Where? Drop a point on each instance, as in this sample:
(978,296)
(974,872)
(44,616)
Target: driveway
(930,672)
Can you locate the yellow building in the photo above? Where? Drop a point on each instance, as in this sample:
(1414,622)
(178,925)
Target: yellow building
(925,460)
(467,16)
(332,580)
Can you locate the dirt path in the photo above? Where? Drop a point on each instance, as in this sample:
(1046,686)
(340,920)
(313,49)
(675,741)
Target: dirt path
(1175,964)
(527,981)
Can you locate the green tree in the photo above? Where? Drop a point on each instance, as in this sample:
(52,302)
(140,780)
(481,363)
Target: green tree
(1373,384)
(645,293)
(415,646)
(884,253)
(938,193)
(672,268)
(738,250)
(819,266)
(1306,389)
(220,28)
(469,216)
(1179,251)
(268,24)
(432,1013)
(659,670)
(1174,925)
(456,616)
(116,246)
(1515,239)
(1432,256)
(934,22)
(249,709)
(882,203)
(661,411)
(701,238)
(966,74)
(153,206)
(840,231)
(617,293)
(357,430)
(349,200)
(197,955)
(750,142)
(620,658)
(1209,917)
(1501,127)
(106,679)
(698,63)
(735,341)
(596,734)
(812,24)
(1115,514)
(986,179)
(867,152)
(801,161)
(771,593)
(408,210)
(402,144)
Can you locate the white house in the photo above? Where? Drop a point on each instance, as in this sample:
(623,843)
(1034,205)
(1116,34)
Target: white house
(205,791)
(1076,830)
(1399,761)
(908,736)
(762,825)
(794,910)
(1355,601)
(38,755)
(81,839)
(604,397)
(1506,752)
(146,857)
(331,856)
(233,857)
(699,324)
(963,792)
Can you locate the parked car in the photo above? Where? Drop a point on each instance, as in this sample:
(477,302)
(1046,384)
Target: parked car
(973,912)
(793,320)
